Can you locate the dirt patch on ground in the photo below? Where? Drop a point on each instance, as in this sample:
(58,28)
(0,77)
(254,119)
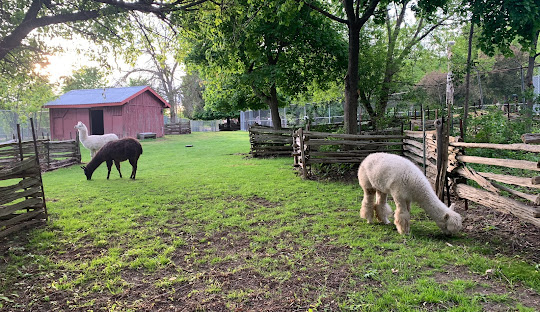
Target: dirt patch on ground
(505,233)
(224,272)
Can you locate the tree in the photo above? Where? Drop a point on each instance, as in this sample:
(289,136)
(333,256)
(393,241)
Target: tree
(156,41)
(26,25)
(357,13)
(192,95)
(258,53)
(503,22)
(401,37)
(23,96)
(84,78)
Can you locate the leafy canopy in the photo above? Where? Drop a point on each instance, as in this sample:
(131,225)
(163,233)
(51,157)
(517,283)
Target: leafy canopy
(249,47)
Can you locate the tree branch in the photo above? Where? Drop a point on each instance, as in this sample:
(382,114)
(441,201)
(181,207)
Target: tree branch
(323,12)
(370,9)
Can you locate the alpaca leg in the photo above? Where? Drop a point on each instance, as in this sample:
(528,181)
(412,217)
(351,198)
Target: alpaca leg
(109,166)
(402,215)
(366,212)
(382,209)
(117,164)
(133,163)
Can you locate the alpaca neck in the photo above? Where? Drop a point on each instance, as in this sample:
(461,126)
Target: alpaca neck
(94,163)
(83,134)
(435,208)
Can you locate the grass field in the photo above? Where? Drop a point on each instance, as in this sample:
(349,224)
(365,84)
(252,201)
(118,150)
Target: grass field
(206,228)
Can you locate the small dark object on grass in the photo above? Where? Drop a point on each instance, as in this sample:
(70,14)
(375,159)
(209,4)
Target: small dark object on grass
(189,145)
(115,151)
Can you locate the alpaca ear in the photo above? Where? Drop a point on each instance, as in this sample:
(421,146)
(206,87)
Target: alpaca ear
(453,207)
(446,217)
(83,167)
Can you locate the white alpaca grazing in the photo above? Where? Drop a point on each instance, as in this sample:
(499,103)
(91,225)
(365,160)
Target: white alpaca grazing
(381,174)
(93,142)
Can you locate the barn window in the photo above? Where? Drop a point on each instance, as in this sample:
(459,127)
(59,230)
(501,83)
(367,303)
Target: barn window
(117,111)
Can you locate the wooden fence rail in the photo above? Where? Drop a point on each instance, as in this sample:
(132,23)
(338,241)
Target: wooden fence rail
(492,187)
(266,141)
(182,127)
(52,154)
(329,148)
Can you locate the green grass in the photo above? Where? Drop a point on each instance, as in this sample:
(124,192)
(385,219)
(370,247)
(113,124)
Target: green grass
(205,227)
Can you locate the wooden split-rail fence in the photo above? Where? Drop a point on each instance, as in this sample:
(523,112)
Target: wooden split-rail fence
(266,141)
(450,170)
(516,195)
(52,154)
(182,127)
(330,148)
(22,199)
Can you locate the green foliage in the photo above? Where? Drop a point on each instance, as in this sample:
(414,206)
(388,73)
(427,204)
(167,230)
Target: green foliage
(250,48)
(504,21)
(192,98)
(85,78)
(493,126)
(23,95)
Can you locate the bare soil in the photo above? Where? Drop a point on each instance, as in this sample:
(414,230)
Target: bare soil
(234,285)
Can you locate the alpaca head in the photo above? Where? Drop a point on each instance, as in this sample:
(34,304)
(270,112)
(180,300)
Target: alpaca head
(87,172)
(451,222)
(80,126)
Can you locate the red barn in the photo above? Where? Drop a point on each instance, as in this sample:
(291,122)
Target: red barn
(122,111)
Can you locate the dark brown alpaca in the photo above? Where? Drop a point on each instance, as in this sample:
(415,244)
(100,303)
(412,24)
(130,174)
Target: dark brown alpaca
(115,151)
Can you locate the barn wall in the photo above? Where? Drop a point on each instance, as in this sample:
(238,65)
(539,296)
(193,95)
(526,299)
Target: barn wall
(143,114)
(63,121)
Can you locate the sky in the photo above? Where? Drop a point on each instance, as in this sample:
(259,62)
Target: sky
(73,57)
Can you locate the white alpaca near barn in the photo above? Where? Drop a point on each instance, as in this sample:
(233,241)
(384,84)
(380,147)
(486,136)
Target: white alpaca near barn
(93,142)
(381,174)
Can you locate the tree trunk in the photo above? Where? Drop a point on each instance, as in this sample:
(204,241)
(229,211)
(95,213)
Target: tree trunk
(274,109)
(350,107)
(380,108)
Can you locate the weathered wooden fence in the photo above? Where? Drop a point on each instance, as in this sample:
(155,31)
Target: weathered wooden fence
(52,154)
(496,191)
(329,148)
(22,200)
(523,203)
(182,127)
(266,141)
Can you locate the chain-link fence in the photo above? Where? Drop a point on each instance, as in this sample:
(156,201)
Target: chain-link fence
(10,119)
(295,115)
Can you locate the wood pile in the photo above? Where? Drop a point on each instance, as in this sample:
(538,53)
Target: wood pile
(182,127)
(266,141)
(311,147)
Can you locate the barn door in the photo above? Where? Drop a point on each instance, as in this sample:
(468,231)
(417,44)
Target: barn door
(96,122)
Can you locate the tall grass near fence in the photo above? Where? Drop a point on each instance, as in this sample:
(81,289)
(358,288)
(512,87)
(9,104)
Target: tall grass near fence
(209,228)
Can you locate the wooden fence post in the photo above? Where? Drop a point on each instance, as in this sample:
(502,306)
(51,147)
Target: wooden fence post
(78,147)
(302,153)
(39,168)
(442,157)
(20,142)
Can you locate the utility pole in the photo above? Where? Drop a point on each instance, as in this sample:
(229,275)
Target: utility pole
(449,87)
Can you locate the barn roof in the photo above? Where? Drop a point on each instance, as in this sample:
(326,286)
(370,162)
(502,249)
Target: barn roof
(101,97)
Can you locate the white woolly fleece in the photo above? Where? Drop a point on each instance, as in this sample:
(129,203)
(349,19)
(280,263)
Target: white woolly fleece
(399,177)
(93,142)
